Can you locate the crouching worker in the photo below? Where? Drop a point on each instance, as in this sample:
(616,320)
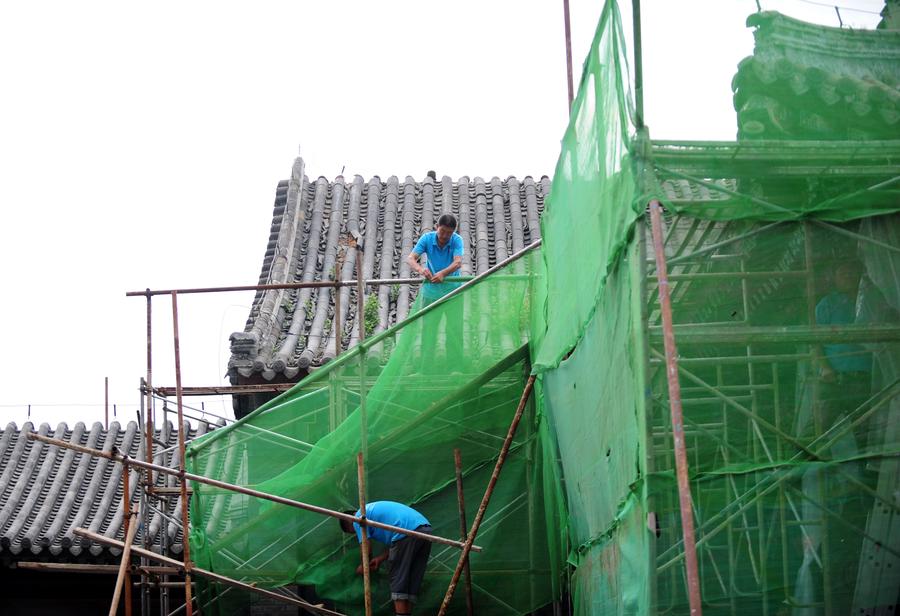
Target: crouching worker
(407,556)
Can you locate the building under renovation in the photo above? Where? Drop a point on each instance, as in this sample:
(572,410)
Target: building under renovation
(668,383)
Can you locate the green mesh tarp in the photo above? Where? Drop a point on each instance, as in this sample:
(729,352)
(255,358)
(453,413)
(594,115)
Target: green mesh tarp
(784,260)
(449,377)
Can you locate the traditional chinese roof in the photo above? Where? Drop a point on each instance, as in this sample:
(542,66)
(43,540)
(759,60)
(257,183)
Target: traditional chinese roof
(313,225)
(47,491)
(806,81)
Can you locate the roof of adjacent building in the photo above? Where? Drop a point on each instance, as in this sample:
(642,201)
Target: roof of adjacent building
(313,228)
(807,81)
(47,491)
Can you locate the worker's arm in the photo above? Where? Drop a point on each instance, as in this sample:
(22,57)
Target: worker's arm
(439,277)
(374,563)
(413,261)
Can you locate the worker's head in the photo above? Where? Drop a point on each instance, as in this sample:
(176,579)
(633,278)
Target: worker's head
(445,227)
(347,525)
(847,275)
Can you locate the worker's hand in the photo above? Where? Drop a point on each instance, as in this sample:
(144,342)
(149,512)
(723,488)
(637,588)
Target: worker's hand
(437,278)
(428,275)
(373,565)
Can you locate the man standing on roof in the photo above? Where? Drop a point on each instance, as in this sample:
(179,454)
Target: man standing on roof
(407,556)
(443,249)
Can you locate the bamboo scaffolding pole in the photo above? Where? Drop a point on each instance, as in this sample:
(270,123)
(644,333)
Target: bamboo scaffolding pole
(225,390)
(461,500)
(185,524)
(314,284)
(147,400)
(364,532)
(681,462)
(360,291)
(83,532)
(117,457)
(124,577)
(501,458)
(67,567)
(745,334)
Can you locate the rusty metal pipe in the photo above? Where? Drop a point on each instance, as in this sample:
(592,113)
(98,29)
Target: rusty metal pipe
(366,553)
(185,528)
(501,458)
(117,457)
(681,462)
(463,527)
(83,532)
(568,28)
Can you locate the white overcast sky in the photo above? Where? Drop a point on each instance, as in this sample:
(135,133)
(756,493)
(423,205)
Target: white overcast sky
(141,144)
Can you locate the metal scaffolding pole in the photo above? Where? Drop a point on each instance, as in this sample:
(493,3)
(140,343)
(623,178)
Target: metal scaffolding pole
(207,574)
(681,463)
(185,524)
(117,457)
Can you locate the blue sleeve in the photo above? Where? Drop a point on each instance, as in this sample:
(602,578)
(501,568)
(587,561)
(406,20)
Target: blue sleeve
(358,532)
(458,249)
(421,245)
(822,312)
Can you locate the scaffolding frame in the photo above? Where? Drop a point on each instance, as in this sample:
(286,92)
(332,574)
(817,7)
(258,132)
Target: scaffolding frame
(729,535)
(148,491)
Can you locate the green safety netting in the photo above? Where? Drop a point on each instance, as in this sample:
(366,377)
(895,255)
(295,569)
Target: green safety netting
(449,377)
(784,260)
(784,263)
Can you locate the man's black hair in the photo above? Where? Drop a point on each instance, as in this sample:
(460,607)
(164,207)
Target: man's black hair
(447,220)
(347,525)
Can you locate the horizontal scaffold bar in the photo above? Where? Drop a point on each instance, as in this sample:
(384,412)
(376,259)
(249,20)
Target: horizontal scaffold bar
(748,334)
(204,573)
(117,457)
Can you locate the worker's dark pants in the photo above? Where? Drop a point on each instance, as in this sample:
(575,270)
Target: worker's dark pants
(408,558)
(440,356)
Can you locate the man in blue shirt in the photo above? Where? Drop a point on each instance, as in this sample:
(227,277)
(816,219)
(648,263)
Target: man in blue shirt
(847,365)
(407,556)
(443,249)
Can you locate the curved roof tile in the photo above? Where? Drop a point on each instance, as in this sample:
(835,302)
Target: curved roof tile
(47,491)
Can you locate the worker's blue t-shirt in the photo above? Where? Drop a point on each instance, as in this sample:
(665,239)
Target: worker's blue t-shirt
(439,258)
(389,512)
(838,309)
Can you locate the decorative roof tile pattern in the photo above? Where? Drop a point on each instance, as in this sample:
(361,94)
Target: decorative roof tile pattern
(313,225)
(806,81)
(47,491)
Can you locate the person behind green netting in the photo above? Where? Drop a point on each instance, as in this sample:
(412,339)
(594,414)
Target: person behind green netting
(443,249)
(407,556)
(845,369)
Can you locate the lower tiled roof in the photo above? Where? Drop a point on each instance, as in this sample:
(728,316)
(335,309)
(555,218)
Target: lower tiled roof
(48,491)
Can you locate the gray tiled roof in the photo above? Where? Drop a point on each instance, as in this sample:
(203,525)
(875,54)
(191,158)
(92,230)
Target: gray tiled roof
(807,81)
(290,330)
(47,491)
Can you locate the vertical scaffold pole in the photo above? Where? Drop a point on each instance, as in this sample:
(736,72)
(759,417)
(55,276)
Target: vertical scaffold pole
(681,463)
(188,599)
(364,531)
(501,458)
(460,497)
(360,290)
(568,28)
(148,450)
(124,578)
